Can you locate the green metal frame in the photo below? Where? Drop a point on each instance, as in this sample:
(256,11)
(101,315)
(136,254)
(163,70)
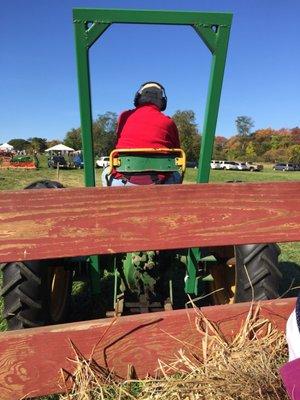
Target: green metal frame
(136,163)
(213,29)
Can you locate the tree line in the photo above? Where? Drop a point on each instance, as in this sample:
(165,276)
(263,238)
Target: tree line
(264,145)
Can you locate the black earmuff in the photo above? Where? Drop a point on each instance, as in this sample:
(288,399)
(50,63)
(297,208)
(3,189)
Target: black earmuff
(164,97)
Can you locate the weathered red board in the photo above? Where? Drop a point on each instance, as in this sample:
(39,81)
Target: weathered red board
(39,224)
(30,360)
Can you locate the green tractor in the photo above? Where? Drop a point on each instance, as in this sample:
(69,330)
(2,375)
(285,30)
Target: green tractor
(38,292)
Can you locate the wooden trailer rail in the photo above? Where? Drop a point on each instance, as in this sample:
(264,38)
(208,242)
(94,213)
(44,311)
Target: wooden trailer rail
(41,224)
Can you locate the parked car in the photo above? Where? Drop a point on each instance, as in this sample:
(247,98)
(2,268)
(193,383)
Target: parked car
(229,165)
(215,164)
(59,161)
(254,167)
(192,164)
(242,166)
(284,167)
(78,162)
(103,162)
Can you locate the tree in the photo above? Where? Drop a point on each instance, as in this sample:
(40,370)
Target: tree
(262,141)
(233,148)
(19,144)
(244,125)
(281,140)
(295,132)
(53,142)
(294,154)
(219,148)
(38,144)
(104,133)
(188,133)
(73,139)
(275,155)
(250,152)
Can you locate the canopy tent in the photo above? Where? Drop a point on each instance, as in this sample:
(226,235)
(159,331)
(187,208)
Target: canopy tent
(60,148)
(6,147)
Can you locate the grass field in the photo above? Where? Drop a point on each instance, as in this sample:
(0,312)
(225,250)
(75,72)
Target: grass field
(18,179)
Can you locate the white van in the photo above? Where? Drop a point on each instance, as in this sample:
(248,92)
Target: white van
(215,164)
(229,165)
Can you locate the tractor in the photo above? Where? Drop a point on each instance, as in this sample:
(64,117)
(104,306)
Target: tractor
(38,292)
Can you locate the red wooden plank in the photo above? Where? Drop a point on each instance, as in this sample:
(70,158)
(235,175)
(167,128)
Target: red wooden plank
(38,224)
(30,360)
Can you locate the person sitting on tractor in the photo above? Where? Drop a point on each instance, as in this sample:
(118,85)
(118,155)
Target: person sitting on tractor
(145,127)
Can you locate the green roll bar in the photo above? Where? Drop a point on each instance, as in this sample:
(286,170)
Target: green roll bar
(213,29)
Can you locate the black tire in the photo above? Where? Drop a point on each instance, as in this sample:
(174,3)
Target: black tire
(257,273)
(30,296)
(36,293)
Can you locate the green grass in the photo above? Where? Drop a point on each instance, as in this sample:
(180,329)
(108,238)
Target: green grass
(18,179)
(267,175)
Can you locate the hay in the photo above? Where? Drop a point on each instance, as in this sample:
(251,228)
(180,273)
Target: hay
(243,368)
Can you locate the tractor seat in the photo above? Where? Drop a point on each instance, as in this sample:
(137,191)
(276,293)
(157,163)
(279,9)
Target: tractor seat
(146,166)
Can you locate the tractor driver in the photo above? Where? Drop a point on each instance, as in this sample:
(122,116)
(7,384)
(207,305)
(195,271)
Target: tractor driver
(145,127)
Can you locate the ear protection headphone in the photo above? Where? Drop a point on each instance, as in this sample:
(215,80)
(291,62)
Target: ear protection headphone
(164,96)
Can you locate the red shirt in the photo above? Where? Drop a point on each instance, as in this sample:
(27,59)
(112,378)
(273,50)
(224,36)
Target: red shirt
(146,126)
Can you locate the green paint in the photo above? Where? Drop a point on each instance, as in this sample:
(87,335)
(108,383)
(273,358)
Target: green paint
(139,163)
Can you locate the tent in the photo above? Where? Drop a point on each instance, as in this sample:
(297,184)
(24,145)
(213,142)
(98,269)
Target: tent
(6,147)
(60,148)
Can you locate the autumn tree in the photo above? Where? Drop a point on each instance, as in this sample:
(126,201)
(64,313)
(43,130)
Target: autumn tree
(219,147)
(233,148)
(294,154)
(261,140)
(295,132)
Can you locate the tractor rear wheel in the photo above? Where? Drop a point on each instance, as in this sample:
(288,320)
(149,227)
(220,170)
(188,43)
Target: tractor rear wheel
(35,293)
(252,274)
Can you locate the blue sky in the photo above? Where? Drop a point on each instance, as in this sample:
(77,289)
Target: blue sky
(38,84)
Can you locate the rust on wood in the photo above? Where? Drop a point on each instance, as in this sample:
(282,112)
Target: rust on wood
(40,224)
(30,360)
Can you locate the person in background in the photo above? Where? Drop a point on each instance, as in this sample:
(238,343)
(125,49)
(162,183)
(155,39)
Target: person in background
(145,126)
(290,372)
(36,160)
